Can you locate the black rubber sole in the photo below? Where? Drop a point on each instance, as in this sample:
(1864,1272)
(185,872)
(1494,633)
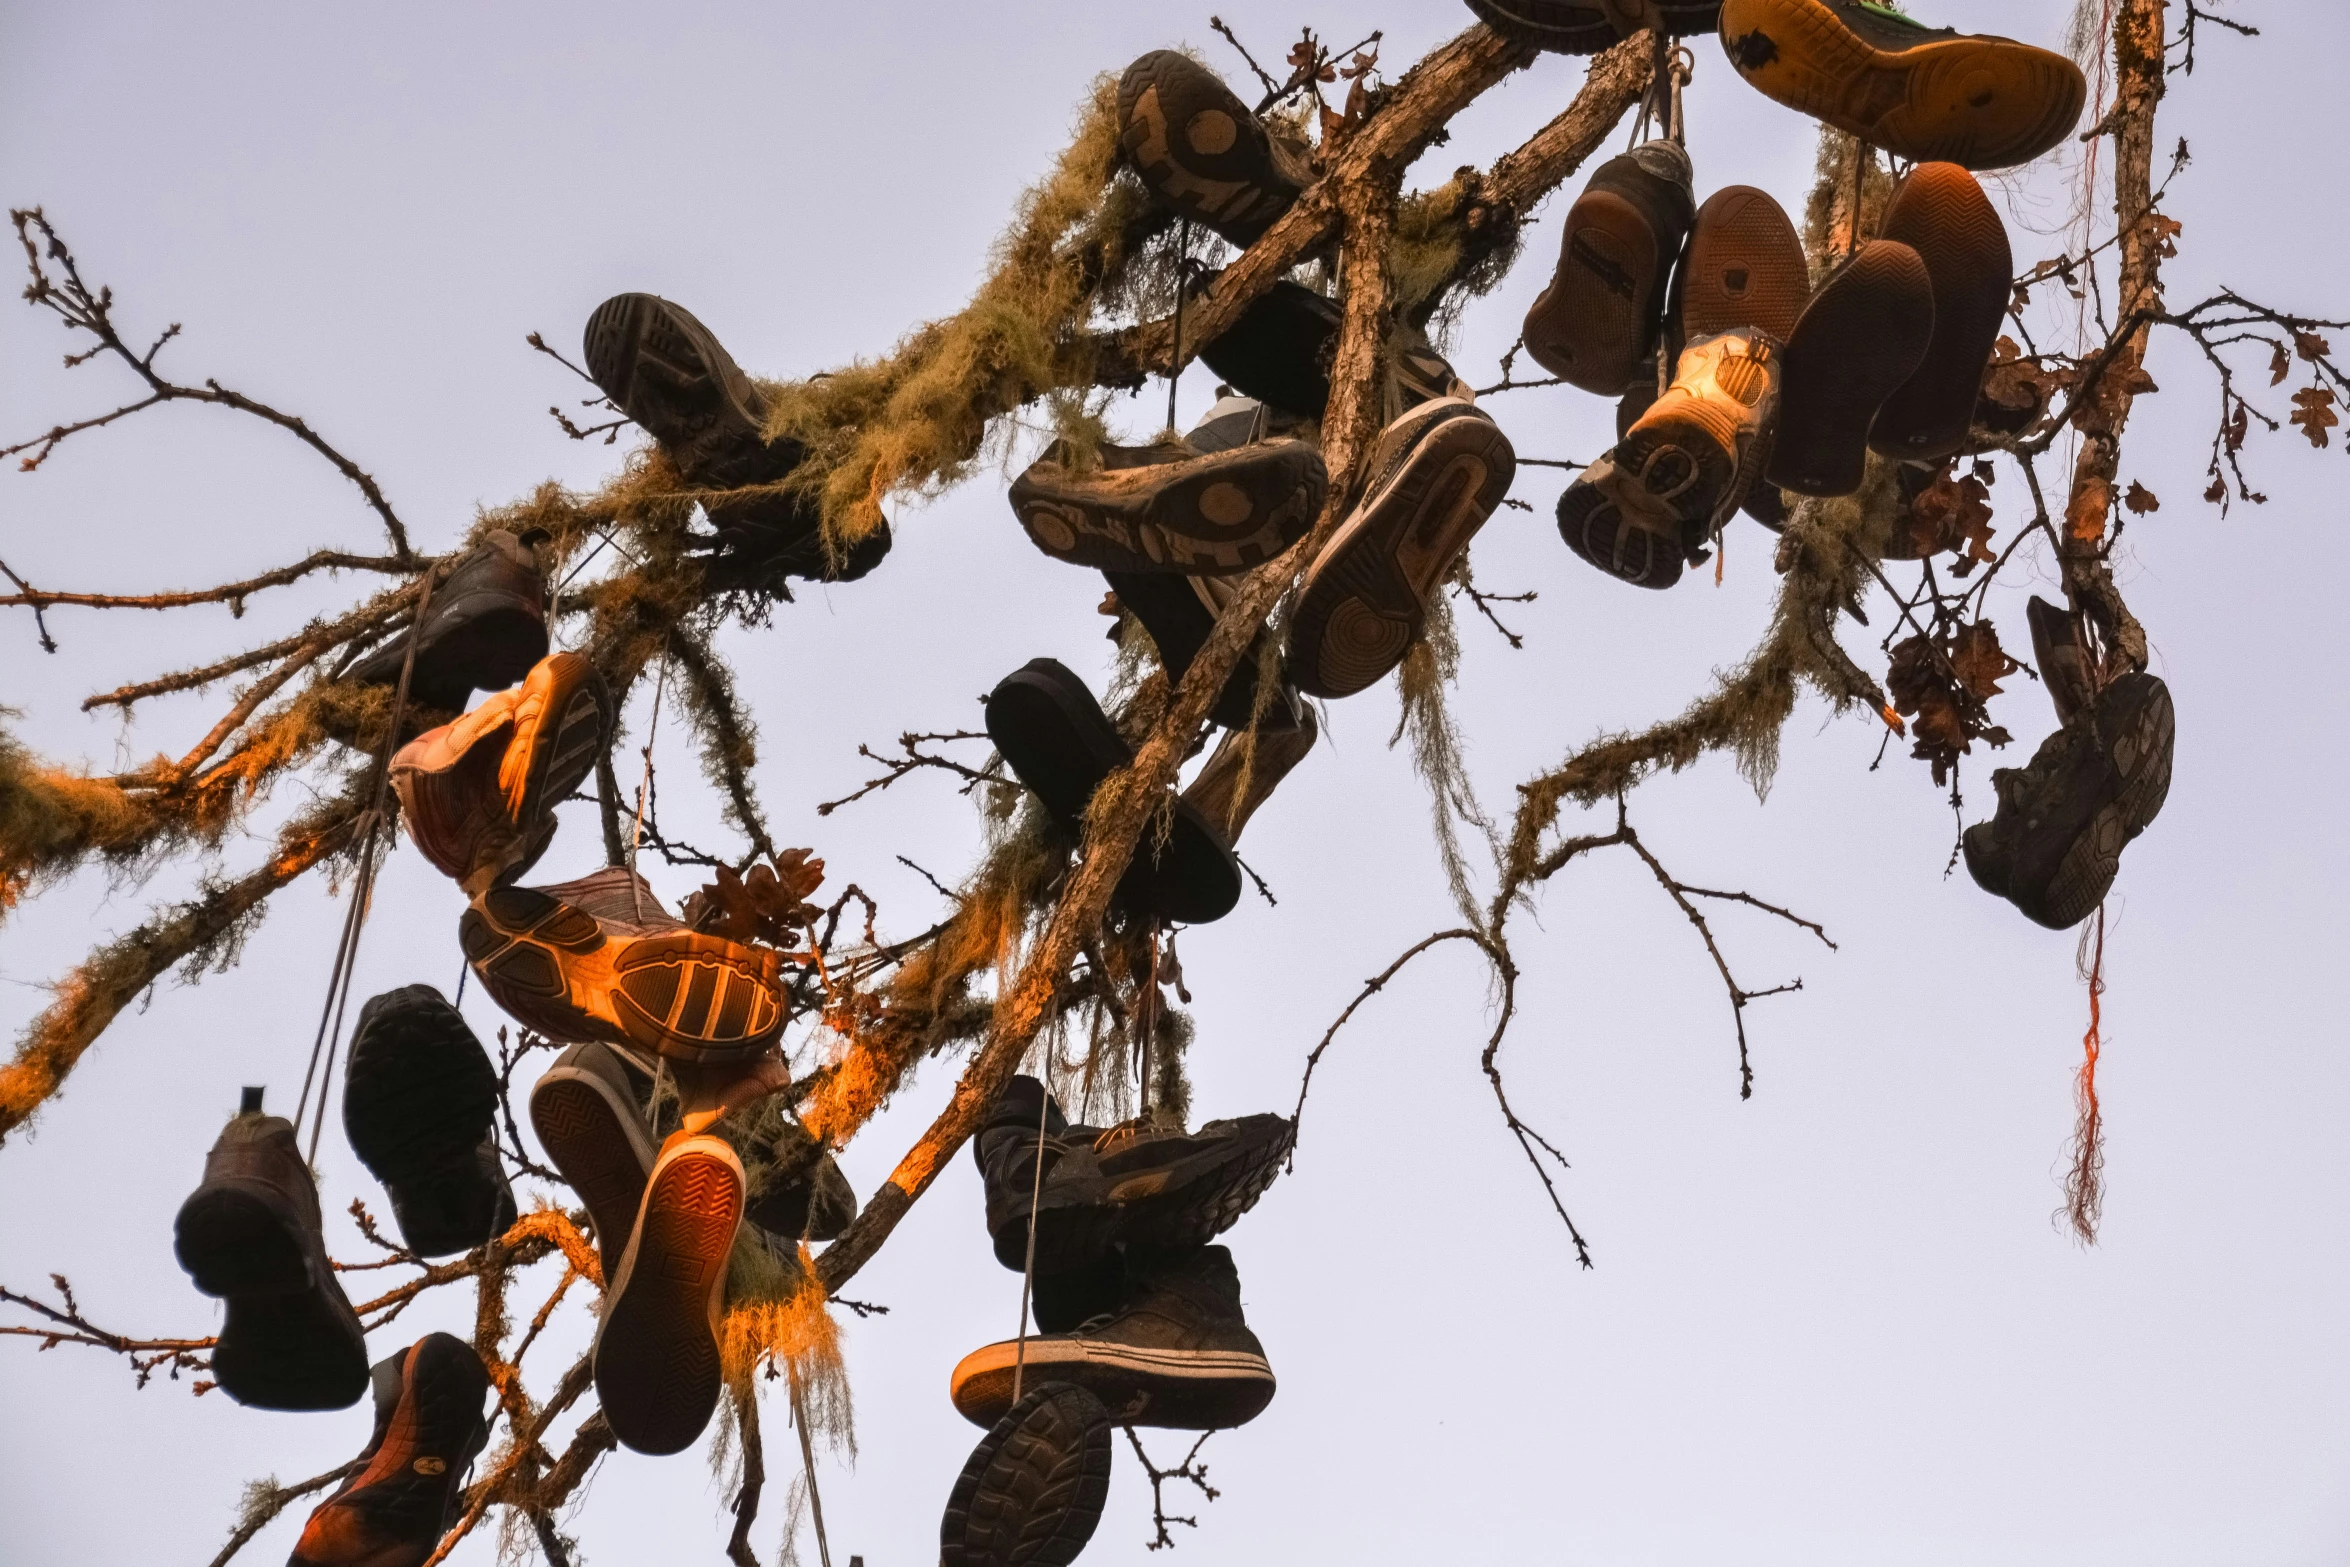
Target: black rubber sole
(1214,515)
(1941,213)
(419,1090)
(671,375)
(580,1125)
(1624,546)
(1032,1492)
(1863,335)
(1055,737)
(1198,148)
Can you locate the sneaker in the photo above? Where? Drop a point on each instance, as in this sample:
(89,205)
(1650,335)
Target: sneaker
(1032,1491)
(1176,506)
(1562,26)
(1861,338)
(1925,94)
(419,1100)
(658,1345)
(671,375)
(1279,353)
(1061,746)
(1201,152)
(1941,213)
(2055,844)
(1179,613)
(1745,268)
(1137,1183)
(250,1235)
(1613,525)
(1241,775)
(409,1488)
(479,795)
(589,1118)
(1178,1353)
(1600,315)
(1433,478)
(1698,450)
(599,958)
(2062,659)
(484,629)
(1674,18)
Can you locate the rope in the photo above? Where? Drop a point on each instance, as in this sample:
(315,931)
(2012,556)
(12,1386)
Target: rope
(644,789)
(1044,1111)
(799,1420)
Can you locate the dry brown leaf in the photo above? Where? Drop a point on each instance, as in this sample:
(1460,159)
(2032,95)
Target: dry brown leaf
(2310,346)
(2092,503)
(2313,411)
(2140,500)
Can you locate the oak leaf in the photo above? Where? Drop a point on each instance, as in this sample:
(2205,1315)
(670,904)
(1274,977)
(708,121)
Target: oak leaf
(2313,411)
(2092,503)
(2140,500)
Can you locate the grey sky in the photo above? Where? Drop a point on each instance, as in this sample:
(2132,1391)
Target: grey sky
(1829,1326)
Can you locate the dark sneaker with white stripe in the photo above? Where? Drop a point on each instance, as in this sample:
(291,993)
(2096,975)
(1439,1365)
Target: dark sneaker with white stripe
(410,1485)
(1200,150)
(484,629)
(1031,1493)
(1178,1353)
(419,1103)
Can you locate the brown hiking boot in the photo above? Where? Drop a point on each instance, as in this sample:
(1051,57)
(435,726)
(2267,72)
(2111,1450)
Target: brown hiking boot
(1242,774)
(250,1235)
(1201,152)
(1941,213)
(658,1346)
(484,629)
(1600,316)
(410,1486)
(1922,93)
(1861,338)
(478,795)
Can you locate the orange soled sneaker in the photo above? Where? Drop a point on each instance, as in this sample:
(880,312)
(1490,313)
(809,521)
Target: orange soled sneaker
(478,795)
(1928,94)
(658,1346)
(599,958)
(1941,213)
(1700,447)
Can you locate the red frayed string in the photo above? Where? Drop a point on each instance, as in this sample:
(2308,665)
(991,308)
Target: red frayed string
(2084,1187)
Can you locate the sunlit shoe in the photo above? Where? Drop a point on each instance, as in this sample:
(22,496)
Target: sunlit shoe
(1209,506)
(1922,93)
(1699,449)
(590,1119)
(658,1345)
(409,1487)
(2055,845)
(1861,338)
(250,1234)
(599,958)
(1941,213)
(1138,1183)
(1032,1491)
(1201,152)
(484,629)
(1178,1352)
(1612,523)
(419,1102)
(1600,316)
(1179,613)
(478,796)
(1243,771)
(1431,481)
(1059,743)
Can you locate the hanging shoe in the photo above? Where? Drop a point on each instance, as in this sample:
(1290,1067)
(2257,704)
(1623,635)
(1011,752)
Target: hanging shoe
(484,629)
(419,1100)
(599,958)
(478,796)
(1600,316)
(1280,350)
(1614,525)
(1061,746)
(795,1189)
(588,1117)
(1927,94)
(1241,775)
(1177,1354)
(2062,659)
(1032,1491)
(1561,26)
(1201,152)
(671,375)
(1941,213)
(409,1488)
(1861,338)
(658,1345)
(1177,507)
(1699,449)
(250,1235)
(2055,844)
(1138,1183)
(1179,613)
(1434,477)
(1674,18)
(1745,268)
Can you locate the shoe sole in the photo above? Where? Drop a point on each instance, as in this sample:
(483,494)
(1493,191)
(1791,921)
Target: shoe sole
(596,1138)
(1863,335)
(1176,1389)
(419,1089)
(1941,213)
(1603,533)
(1224,177)
(1745,268)
(670,375)
(1366,596)
(1032,1492)
(1211,516)
(1557,25)
(563,752)
(288,1339)
(657,1355)
(1981,103)
(1597,319)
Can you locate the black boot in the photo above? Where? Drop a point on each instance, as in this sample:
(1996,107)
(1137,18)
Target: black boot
(484,629)
(418,1107)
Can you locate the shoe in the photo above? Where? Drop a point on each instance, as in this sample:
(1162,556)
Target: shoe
(1745,268)
(1279,353)
(250,1235)
(409,1488)
(1675,18)
(1201,152)
(2062,660)
(1861,338)
(1172,507)
(1613,525)
(1137,1183)
(1926,94)
(1032,1491)
(1941,213)
(1240,777)
(1433,478)
(1177,1354)
(1699,449)
(1569,27)
(657,1349)
(2055,844)
(479,795)
(1601,313)
(794,1187)
(484,629)
(1179,613)
(599,958)
(671,375)
(588,1118)
(419,1100)
(1061,746)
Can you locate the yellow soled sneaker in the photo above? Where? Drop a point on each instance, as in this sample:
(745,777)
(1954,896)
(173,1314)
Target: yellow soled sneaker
(1928,94)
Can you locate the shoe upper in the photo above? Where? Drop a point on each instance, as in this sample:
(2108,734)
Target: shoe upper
(795,1188)
(2062,660)
(1725,391)
(1180,1298)
(447,781)
(429,1428)
(1244,770)
(498,581)
(255,1149)
(1564,26)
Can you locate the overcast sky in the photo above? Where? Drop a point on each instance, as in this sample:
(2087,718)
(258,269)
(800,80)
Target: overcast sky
(1832,1326)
